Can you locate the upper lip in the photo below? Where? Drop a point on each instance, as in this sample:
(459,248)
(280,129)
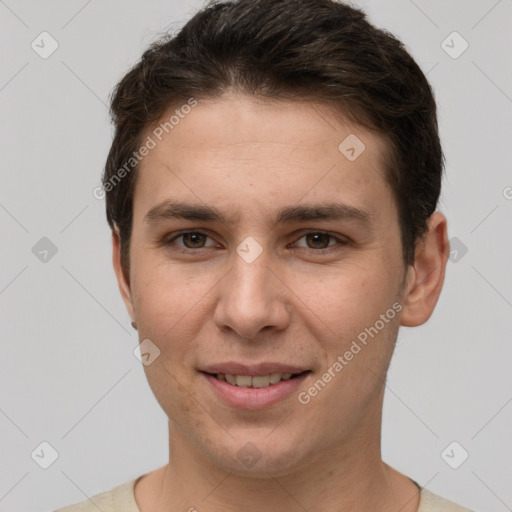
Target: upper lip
(264,368)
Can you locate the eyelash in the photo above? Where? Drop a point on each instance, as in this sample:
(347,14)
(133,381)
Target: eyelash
(170,242)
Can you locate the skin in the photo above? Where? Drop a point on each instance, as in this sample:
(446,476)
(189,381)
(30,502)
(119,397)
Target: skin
(199,302)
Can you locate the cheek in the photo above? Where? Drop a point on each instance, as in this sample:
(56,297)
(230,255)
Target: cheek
(171,300)
(344,300)
(175,395)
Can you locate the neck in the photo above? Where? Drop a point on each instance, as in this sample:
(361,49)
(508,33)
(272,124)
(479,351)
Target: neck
(349,476)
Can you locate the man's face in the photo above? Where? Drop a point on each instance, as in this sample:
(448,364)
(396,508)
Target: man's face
(284,282)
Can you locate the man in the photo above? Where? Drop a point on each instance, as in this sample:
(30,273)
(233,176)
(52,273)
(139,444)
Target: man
(271,190)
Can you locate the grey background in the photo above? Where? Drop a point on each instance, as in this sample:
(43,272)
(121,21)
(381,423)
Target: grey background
(68,373)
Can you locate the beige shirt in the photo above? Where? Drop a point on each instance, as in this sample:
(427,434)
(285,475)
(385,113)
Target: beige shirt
(122,499)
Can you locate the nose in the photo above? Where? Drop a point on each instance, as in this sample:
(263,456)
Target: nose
(252,299)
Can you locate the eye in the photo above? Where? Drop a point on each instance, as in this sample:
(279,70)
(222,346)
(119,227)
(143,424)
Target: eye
(316,241)
(190,240)
(320,241)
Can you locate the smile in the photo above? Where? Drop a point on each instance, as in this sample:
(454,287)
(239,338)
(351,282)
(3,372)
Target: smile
(257,381)
(254,392)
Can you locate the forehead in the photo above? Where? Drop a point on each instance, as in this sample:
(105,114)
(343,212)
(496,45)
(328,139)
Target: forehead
(241,119)
(238,149)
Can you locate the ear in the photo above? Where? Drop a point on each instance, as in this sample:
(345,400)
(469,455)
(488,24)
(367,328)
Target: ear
(426,276)
(123,280)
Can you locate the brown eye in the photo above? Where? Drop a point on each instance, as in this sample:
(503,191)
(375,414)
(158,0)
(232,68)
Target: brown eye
(193,240)
(318,240)
(189,242)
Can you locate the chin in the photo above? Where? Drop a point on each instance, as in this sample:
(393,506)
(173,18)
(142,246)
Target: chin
(258,456)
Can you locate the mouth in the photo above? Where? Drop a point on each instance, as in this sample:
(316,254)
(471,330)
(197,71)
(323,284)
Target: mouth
(255,387)
(255,381)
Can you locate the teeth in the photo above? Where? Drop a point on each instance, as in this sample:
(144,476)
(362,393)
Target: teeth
(243,381)
(275,378)
(259,381)
(262,381)
(231,379)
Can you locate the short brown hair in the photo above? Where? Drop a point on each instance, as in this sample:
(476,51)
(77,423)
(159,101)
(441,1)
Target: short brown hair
(321,51)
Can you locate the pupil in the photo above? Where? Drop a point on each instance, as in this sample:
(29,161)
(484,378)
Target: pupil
(194,239)
(320,238)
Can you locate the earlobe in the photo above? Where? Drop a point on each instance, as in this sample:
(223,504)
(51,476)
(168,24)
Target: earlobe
(122,279)
(426,276)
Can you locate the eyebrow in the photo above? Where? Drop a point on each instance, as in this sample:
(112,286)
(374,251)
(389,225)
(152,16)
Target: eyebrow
(169,210)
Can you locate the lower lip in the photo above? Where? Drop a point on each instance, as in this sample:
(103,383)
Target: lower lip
(254,398)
